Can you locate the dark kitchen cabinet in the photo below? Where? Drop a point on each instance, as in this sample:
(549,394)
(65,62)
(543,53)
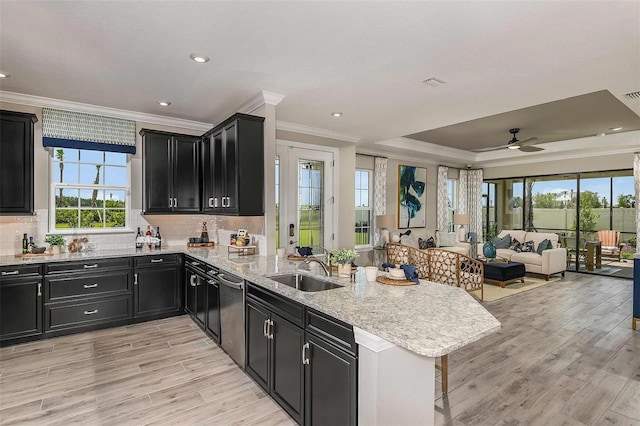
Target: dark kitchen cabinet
(274,353)
(233,167)
(16,162)
(196,294)
(157,286)
(212,326)
(171,172)
(20,303)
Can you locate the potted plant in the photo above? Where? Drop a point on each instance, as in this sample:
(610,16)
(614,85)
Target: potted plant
(55,241)
(344,257)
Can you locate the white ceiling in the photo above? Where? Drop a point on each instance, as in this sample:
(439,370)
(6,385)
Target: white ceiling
(365,59)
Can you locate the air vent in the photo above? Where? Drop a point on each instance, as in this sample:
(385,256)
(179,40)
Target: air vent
(434,82)
(633,95)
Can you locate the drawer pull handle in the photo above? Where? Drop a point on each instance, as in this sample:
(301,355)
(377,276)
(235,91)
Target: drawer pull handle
(95,311)
(194,263)
(10,273)
(95,265)
(156,260)
(91,285)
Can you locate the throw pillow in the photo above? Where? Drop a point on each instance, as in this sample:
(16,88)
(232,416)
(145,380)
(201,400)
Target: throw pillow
(527,247)
(516,245)
(502,243)
(426,244)
(544,245)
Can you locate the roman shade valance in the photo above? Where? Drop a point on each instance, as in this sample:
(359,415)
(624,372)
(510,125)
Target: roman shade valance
(67,129)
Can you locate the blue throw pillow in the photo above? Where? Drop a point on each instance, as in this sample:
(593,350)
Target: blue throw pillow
(527,247)
(544,245)
(516,245)
(502,243)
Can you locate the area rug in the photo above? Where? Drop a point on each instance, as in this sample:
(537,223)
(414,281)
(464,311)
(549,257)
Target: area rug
(494,292)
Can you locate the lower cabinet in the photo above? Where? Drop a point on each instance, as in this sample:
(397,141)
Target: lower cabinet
(274,357)
(157,286)
(195,295)
(202,296)
(212,326)
(20,303)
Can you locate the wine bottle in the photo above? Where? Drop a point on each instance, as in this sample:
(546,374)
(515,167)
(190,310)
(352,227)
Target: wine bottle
(149,234)
(138,239)
(25,244)
(158,238)
(204,235)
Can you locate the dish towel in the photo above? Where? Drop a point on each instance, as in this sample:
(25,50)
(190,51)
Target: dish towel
(409,271)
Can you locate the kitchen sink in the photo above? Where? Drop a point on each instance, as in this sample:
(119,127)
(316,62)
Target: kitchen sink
(304,282)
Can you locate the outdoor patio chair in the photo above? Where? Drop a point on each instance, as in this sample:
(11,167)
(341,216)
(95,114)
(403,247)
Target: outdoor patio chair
(610,243)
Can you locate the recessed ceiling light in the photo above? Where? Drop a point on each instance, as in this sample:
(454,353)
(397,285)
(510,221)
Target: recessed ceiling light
(164,103)
(336,114)
(4,75)
(434,82)
(201,59)
(616,129)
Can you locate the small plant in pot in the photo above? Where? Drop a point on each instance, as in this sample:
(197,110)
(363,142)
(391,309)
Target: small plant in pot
(344,257)
(55,241)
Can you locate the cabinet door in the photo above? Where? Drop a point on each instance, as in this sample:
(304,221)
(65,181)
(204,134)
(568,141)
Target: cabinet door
(287,371)
(257,349)
(201,300)
(156,290)
(330,385)
(20,308)
(213,309)
(219,188)
(16,162)
(231,167)
(158,173)
(186,174)
(190,284)
(206,159)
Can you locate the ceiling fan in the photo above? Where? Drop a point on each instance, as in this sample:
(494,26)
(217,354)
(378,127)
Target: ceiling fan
(525,145)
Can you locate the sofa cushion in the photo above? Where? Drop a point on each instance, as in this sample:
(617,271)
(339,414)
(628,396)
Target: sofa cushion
(515,233)
(544,245)
(527,247)
(428,243)
(538,237)
(447,239)
(502,242)
(527,258)
(515,245)
(505,253)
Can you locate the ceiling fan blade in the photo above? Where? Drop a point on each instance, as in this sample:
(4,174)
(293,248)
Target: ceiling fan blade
(528,141)
(493,148)
(530,148)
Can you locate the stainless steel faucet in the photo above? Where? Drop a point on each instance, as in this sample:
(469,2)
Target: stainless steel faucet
(325,266)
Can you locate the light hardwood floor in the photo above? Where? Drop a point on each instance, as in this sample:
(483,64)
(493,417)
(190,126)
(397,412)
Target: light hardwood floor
(566,354)
(161,372)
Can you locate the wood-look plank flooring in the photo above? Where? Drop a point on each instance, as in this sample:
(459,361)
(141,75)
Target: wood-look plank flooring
(566,355)
(160,372)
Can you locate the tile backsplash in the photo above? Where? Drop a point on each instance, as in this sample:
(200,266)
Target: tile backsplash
(175,230)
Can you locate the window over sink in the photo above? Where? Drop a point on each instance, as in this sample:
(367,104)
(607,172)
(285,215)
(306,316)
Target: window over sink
(89,190)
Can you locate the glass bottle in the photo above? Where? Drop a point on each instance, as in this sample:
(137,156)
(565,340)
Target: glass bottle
(149,234)
(25,244)
(30,248)
(204,236)
(139,239)
(158,238)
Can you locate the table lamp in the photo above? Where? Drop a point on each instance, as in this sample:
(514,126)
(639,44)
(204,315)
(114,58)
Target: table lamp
(461,219)
(384,222)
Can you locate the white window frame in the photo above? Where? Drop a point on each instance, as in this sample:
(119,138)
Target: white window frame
(54,187)
(452,204)
(369,208)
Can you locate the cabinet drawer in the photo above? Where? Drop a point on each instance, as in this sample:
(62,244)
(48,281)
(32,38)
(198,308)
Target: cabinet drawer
(291,311)
(196,265)
(18,271)
(83,285)
(331,330)
(88,265)
(81,313)
(155,260)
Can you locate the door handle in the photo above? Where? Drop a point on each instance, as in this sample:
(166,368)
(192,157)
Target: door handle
(95,311)
(135,279)
(39,289)
(95,265)
(191,280)
(210,201)
(170,202)
(305,359)
(264,328)
(215,202)
(91,285)
(270,335)
(10,273)
(175,202)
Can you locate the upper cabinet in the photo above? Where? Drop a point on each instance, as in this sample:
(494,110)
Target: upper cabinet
(16,162)
(171,172)
(233,167)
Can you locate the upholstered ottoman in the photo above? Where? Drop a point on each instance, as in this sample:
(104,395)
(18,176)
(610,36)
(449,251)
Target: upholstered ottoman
(503,272)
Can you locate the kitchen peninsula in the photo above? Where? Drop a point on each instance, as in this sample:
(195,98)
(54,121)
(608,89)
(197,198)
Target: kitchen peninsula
(400,331)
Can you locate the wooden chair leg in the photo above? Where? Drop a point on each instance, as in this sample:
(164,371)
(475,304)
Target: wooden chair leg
(444,369)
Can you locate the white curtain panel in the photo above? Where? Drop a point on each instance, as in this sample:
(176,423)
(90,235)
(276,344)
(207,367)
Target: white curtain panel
(442,200)
(379,194)
(474,203)
(462,192)
(636,174)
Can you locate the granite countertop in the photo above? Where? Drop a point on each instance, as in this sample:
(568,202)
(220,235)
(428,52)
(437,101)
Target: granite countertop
(429,319)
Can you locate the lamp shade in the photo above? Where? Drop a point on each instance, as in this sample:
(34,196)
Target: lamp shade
(385,221)
(460,219)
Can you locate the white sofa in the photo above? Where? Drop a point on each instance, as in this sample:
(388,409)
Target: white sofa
(552,261)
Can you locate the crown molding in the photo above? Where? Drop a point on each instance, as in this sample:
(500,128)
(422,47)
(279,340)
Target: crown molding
(261,98)
(314,131)
(455,155)
(42,102)
(407,158)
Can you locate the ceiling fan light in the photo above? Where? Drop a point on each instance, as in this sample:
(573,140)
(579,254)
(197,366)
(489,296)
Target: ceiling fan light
(514,146)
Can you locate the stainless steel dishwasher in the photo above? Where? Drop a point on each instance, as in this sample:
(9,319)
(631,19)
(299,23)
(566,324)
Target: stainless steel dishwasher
(232,316)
